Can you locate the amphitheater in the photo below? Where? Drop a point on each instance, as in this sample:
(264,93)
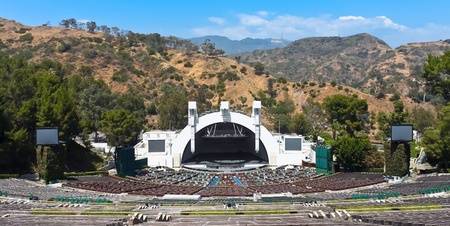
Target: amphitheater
(225,168)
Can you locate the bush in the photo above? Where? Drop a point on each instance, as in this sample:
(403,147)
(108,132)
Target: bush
(333,83)
(243,70)
(63,47)
(85,71)
(120,76)
(28,37)
(351,151)
(22,30)
(90,53)
(259,68)
(188,64)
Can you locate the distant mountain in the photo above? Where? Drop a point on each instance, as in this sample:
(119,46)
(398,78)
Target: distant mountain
(232,47)
(362,61)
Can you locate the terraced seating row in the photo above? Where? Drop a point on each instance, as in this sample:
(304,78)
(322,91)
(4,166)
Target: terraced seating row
(335,182)
(81,199)
(234,184)
(225,191)
(121,186)
(167,189)
(419,187)
(406,218)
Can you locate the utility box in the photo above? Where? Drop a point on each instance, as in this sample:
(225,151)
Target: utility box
(324,161)
(125,162)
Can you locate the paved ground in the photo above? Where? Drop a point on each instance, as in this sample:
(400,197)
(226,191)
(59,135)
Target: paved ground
(296,219)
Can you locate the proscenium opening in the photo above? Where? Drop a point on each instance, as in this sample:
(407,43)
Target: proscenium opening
(225,144)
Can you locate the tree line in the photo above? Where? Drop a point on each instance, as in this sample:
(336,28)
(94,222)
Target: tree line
(49,94)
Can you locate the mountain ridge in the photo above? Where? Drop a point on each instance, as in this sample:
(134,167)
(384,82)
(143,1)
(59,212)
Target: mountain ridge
(233,47)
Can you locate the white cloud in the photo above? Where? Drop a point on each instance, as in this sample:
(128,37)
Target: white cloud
(351,18)
(262,13)
(263,24)
(217,20)
(252,20)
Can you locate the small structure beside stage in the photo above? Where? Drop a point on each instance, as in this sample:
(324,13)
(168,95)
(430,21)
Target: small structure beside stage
(223,139)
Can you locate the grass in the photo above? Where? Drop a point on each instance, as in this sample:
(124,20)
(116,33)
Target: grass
(84,213)
(88,173)
(236,212)
(392,208)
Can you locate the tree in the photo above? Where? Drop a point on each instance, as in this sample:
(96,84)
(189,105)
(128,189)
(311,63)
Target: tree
(300,125)
(351,151)
(94,100)
(316,117)
(346,114)
(91,26)
(105,29)
(68,23)
(422,119)
(436,142)
(437,75)
(121,127)
(396,161)
(209,48)
(281,113)
(172,107)
(385,121)
(73,23)
(65,23)
(259,68)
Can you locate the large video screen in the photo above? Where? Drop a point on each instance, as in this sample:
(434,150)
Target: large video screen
(47,136)
(156,145)
(402,133)
(293,144)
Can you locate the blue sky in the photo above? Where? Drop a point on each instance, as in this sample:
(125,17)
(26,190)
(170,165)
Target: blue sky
(396,22)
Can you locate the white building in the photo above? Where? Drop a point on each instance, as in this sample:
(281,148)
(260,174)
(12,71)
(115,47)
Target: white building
(223,138)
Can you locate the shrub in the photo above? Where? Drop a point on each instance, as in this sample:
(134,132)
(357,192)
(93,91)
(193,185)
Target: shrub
(380,95)
(322,85)
(259,68)
(22,30)
(188,64)
(63,47)
(282,80)
(28,37)
(333,83)
(233,66)
(243,70)
(120,76)
(90,53)
(230,76)
(395,97)
(312,84)
(85,71)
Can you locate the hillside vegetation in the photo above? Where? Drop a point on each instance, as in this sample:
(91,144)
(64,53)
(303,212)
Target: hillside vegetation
(144,66)
(361,61)
(85,79)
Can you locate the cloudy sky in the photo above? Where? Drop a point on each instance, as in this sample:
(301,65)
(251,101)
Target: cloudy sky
(396,22)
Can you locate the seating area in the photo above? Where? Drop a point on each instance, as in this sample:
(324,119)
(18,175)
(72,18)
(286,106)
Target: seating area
(423,185)
(406,218)
(293,179)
